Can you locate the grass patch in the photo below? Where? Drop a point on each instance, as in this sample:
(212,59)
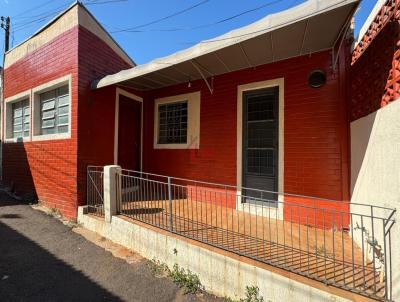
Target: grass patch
(186,279)
(252,295)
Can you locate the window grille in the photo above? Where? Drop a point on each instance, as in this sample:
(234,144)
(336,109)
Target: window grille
(172,123)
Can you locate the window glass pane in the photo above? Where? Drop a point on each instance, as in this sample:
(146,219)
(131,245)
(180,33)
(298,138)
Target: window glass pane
(48,95)
(48,105)
(26,133)
(17,128)
(63,90)
(63,120)
(63,100)
(48,114)
(48,123)
(172,123)
(17,121)
(18,112)
(62,129)
(63,110)
(48,131)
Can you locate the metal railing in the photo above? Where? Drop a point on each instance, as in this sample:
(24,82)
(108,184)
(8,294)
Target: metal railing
(338,243)
(95,191)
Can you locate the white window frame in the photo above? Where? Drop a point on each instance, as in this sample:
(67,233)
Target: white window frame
(8,117)
(36,109)
(193,120)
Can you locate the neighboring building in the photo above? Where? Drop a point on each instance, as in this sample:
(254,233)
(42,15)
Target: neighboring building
(375,116)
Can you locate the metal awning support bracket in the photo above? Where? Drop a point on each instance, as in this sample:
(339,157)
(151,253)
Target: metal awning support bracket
(210,84)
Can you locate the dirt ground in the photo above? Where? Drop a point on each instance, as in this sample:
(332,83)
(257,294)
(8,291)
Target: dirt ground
(41,259)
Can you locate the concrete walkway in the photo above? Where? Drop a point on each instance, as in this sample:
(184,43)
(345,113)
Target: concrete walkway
(41,259)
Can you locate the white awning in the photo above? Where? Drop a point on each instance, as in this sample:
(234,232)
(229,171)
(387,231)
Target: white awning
(310,27)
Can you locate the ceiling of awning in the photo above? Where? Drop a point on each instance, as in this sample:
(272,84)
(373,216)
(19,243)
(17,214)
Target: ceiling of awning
(310,27)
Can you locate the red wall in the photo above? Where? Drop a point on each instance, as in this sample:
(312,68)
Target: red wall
(369,74)
(315,130)
(56,169)
(45,167)
(96,107)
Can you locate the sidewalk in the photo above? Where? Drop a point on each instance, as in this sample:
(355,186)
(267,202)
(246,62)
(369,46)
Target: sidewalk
(41,259)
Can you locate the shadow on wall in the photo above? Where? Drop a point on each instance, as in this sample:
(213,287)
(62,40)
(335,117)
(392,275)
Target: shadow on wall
(29,272)
(17,174)
(360,138)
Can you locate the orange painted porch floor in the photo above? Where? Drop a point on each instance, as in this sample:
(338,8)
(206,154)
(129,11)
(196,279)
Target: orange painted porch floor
(330,256)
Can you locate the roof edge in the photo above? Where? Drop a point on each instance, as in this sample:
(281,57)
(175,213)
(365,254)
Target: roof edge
(62,13)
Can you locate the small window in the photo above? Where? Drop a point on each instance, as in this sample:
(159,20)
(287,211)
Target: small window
(54,111)
(173,123)
(20,119)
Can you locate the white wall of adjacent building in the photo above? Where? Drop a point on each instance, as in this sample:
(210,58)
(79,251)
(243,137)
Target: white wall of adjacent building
(375,172)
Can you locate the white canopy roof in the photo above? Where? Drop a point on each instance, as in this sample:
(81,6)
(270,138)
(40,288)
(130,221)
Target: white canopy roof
(309,27)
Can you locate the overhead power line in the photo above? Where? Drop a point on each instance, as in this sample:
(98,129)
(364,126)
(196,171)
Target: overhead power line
(94,2)
(31,9)
(163,18)
(208,24)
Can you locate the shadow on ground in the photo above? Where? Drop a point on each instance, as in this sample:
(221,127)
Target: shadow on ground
(30,273)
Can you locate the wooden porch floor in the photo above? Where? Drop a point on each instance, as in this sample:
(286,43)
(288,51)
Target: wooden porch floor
(327,255)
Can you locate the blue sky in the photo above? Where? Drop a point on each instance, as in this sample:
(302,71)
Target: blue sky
(149,41)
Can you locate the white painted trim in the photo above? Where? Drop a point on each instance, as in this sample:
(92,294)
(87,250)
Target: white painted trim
(193,130)
(254,86)
(35,113)
(134,97)
(7,116)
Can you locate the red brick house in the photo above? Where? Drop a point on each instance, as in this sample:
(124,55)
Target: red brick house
(266,118)
(307,151)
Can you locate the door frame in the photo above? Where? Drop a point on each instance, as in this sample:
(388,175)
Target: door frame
(135,98)
(279,82)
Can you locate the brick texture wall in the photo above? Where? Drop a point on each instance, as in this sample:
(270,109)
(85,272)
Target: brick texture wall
(47,168)
(56,169)
(96,108)
(369,74)
(315,130)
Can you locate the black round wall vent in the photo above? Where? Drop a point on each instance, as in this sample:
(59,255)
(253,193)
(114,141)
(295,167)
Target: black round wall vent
(317,78)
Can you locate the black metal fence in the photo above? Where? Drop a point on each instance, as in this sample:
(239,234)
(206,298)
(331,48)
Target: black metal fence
(95,190)
(342,244)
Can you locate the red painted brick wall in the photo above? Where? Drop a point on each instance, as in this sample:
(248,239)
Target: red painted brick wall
(371,71)
(56,169)
(45,167)
(315,130)
(96,108)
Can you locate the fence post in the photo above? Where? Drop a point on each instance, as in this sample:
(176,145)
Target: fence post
(170,203)
(110,191)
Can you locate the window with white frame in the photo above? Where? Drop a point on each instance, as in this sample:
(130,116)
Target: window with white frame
(177,122)
(20,119)
(54,111)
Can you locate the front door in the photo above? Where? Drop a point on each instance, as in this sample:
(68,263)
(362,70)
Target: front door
(260,143)
(129,133)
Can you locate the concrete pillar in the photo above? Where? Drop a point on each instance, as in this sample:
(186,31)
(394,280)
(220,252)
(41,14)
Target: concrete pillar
(110,191)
